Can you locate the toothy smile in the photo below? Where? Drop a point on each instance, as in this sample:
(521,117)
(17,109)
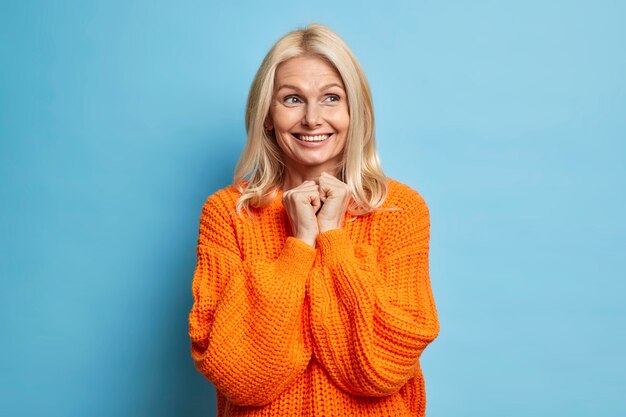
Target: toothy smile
(306,138)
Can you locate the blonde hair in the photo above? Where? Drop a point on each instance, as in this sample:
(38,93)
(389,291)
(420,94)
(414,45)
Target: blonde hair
(260,171)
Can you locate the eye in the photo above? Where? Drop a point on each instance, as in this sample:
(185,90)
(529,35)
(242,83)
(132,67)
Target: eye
(291,100)
(333,98)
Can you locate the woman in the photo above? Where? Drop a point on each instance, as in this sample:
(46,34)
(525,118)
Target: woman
(311,290)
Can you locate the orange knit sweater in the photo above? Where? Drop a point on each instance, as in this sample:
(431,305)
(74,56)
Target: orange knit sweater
(284,329)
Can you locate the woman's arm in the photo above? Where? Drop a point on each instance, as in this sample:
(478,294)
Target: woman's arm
(246,324)
(372,318)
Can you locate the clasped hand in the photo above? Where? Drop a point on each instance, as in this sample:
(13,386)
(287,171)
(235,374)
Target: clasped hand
(314,207)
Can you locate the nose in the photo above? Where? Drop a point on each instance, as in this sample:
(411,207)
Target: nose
(311,116)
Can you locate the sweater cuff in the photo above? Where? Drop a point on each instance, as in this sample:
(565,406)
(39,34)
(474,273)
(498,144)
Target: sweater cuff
(335,245)
(297,256)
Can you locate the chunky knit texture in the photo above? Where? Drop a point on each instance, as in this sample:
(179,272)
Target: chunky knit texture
(284,329)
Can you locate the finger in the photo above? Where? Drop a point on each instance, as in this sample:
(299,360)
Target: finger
(326,188)
(334,181)
(316,202)
(307,191)
(323,191)
(334,185)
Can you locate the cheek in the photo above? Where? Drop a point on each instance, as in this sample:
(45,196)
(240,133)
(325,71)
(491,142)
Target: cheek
(284,141)
(284,119)
(342,122)
(341,118)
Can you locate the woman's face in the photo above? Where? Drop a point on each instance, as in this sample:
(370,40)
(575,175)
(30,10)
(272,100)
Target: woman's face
(309,114)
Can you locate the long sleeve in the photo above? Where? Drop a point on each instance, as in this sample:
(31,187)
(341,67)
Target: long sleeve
(246,326)
(372,310)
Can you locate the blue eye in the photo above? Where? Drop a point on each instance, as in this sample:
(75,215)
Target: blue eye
(290,99)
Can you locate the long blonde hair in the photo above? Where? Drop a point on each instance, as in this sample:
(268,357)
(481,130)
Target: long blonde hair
(260,171)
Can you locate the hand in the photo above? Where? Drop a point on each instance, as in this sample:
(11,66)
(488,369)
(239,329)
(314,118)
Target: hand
(302,203)
(335,196)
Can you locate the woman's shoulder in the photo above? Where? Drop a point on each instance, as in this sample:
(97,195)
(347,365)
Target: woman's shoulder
(230,193)
(222,201)
(404,197)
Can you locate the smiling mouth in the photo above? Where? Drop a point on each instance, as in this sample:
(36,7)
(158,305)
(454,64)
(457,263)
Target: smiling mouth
(311,138)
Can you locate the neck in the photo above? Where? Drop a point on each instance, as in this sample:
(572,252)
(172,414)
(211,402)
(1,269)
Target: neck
(296,176)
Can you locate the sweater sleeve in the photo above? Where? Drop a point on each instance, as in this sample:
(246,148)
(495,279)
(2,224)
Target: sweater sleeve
(372,315)
(246,324)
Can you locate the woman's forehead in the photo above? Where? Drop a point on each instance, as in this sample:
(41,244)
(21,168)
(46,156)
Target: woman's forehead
(307,73)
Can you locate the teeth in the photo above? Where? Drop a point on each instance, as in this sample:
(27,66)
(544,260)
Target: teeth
(318,138)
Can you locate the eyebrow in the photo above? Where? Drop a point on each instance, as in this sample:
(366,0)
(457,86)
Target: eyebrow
(293,87)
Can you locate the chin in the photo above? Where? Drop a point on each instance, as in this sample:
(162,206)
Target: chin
(313,162)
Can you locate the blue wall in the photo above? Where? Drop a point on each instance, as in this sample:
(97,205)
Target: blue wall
(118,119)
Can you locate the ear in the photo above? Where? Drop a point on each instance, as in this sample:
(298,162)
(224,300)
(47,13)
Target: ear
(268,125)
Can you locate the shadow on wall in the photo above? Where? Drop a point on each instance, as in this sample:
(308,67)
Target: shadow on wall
(174,386)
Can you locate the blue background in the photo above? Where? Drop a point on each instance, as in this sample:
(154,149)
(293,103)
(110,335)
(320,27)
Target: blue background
(118,119)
